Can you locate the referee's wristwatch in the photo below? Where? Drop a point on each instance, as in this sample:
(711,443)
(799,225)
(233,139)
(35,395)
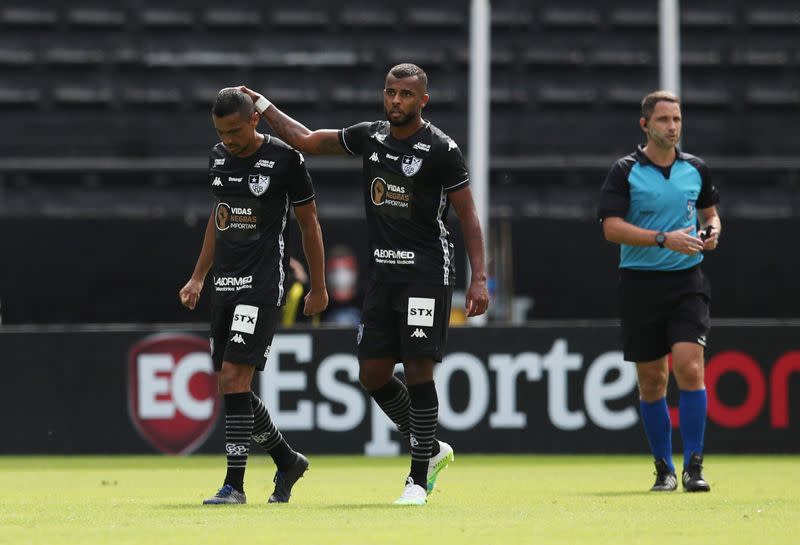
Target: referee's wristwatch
(661,238)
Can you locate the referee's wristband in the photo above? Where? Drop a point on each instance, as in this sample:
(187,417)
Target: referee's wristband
(262,104)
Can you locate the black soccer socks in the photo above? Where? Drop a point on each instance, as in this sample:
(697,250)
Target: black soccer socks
(267,435)
(423,417)
(238,428)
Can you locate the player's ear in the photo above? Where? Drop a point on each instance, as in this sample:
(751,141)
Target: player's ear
(425,98)
(643,123)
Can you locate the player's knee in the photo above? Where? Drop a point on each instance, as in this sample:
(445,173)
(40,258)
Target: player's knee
(234,378)
(653,385)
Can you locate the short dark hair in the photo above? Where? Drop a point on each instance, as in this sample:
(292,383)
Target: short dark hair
(408,70)
(649,102)
(231,100)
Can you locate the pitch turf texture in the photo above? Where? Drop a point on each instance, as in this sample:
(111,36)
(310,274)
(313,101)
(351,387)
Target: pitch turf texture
(155,500)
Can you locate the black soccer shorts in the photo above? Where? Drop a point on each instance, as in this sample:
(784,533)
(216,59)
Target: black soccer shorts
(242,334)
(661,308)
(404,321)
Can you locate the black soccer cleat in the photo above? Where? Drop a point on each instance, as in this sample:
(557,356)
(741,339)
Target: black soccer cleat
(666,480)
(284,480)
(693,480)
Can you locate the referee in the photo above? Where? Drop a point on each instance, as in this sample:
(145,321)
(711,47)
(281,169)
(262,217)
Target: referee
(658,204)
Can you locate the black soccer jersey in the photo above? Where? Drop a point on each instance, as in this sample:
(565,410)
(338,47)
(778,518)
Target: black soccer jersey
(251,214)
(405,189)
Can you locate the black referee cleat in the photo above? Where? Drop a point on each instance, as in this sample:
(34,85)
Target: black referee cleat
(284,480)
(693,480)
(666,480)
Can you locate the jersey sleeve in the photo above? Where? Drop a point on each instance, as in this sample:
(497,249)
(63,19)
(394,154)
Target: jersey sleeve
(454,173)
(353,138)
(301,190)
(709,196)
(615,195)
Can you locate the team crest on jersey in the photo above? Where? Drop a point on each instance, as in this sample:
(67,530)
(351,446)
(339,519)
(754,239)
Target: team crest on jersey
(411,165)
(258,184)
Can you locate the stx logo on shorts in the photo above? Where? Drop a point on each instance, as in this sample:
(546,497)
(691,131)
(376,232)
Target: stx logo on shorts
(420,311)
(172,392)
(244,320)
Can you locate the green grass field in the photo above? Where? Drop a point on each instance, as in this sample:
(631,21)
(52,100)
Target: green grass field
(155,500)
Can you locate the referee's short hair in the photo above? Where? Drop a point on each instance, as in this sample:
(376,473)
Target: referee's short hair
(231,100)
(408,70)
(649,102)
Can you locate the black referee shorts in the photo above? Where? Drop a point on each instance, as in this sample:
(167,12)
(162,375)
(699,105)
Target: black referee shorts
(404,321)
(661,308)
(242,334)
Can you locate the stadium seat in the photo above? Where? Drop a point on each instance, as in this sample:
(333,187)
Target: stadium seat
(16,57)
(625,96)
(621,58)
(197,59)
(552,56)
(167,18)
(437,18)
(697,97)
(501,57)
(233,18)
(510,18)
(369,18)
(151,97)
(323,58)
(701,58)
(356,96)
(28,17)
(294,95)
(73,56)
(760,58)
(773,18)
(19,96)
(431,57)
(778,97)
(692,17)
(96,17)
(75,95)
(635,18)
(570,17)
(559,95)
(508,96)
(300,18)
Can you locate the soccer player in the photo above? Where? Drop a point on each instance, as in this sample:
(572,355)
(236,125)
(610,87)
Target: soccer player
(650,204)
(412,173)
(255,179)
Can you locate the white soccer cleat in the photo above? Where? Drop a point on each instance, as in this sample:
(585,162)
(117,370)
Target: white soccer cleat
(413,494)
(438,463)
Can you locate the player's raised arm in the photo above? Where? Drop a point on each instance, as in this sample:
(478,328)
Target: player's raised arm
(294,133)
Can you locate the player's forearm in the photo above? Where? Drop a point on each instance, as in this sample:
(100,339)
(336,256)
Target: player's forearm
(288,129)
(314,251)
(473,243)
(206,258)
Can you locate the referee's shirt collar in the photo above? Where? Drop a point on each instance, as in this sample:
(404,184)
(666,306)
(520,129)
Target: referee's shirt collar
(644,160)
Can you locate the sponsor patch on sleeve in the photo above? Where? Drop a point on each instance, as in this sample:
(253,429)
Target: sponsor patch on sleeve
(420,311)
(244,319)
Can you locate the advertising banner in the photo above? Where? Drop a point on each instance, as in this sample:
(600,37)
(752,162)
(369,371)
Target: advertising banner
(542,389)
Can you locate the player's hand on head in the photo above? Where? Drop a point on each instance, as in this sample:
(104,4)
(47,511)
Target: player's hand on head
(249,92)
(315,302)
(682,242)
(477,298)
(190,294)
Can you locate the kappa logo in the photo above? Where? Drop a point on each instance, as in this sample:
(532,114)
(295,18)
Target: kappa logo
(172,391)
(238,339)
(451,145)
(374,158)
(411,165)
(263,163)
(418,334)
(219,162)
(422,147)
(217,182)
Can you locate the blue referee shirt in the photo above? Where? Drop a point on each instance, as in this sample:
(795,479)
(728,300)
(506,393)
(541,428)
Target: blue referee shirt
(658,198)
